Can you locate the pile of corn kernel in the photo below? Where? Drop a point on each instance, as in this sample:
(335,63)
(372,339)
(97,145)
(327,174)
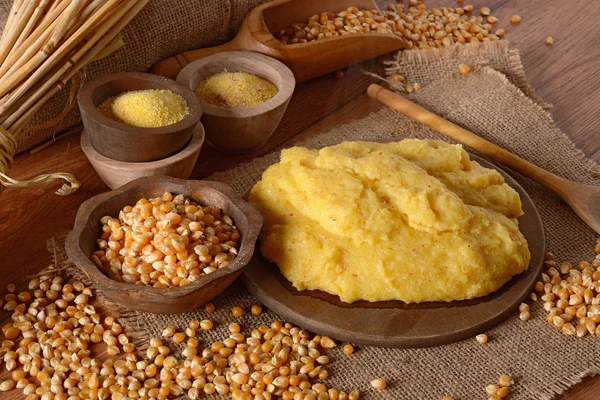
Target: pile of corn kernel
(47,350)
(46,347)
(423,28)
(571,295)
(164,242)
(279,360)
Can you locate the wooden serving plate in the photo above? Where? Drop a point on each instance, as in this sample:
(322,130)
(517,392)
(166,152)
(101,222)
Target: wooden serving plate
(394,323)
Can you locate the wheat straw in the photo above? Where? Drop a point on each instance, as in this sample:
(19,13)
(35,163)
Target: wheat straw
(44,45)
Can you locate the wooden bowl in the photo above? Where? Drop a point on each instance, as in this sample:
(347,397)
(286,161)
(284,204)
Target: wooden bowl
(117,173)
(122,142)
(81,243)
(244,129)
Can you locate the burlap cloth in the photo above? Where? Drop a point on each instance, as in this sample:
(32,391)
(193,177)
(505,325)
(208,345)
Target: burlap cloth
(492,102)
(162,29)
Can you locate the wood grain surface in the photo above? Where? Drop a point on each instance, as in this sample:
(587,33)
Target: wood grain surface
(565,75)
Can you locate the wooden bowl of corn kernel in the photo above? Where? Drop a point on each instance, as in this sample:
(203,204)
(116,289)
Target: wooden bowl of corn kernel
(164,245)
(150,98)
(235,129)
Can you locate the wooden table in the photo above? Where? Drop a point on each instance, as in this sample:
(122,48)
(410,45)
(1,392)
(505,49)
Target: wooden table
(566,75)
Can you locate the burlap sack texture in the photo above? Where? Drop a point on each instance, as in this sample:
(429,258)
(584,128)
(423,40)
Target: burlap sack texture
(491,101)
(162,29)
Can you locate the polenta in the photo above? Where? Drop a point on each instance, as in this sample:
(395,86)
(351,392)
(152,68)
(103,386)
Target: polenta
(414,220)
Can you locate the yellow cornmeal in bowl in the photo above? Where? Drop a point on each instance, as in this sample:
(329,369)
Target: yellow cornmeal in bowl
(150,108)
(415,221)
(235,89)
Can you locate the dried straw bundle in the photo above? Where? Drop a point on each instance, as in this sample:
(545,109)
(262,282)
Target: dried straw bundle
(44,45)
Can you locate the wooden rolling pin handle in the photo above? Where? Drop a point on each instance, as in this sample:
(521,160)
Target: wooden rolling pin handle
(170,67)
(445,127)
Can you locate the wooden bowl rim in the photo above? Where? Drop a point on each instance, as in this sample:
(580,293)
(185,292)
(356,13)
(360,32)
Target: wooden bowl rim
(195,110)
(194,145)
(246,251)
(288,83)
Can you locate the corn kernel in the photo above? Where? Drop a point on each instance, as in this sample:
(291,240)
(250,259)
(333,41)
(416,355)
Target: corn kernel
(464,69)
(482,338)
(379,383)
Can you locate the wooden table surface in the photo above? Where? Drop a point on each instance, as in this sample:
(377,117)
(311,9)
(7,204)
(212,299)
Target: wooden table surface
(566,75)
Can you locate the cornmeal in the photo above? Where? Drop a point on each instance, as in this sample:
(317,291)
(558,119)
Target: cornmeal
(414,220)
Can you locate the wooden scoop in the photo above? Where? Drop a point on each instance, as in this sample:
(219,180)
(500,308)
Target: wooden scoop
(306,60)
(583,199)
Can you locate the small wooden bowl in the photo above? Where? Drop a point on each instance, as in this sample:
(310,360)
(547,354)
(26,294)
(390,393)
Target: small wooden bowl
(81,243)
(244,129)
(123,142)
(117,173)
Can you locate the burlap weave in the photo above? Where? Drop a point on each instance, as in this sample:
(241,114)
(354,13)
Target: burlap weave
(162,29)
(491,102)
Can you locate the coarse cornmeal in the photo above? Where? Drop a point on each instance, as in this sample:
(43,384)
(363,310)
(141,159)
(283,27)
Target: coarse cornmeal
(151,108)
(414,220)
(235,89)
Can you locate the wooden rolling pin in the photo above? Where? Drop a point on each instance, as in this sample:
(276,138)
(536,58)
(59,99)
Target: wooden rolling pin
(583,199)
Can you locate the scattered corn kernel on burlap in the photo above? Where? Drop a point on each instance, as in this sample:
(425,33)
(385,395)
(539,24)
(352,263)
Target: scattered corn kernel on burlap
(162,29)
(493,102)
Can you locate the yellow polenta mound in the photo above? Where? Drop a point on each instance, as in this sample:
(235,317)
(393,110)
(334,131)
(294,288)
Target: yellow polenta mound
(414,221)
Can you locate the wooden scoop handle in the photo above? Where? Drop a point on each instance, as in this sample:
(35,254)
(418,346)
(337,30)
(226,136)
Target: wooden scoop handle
(555,183)
(170,67)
